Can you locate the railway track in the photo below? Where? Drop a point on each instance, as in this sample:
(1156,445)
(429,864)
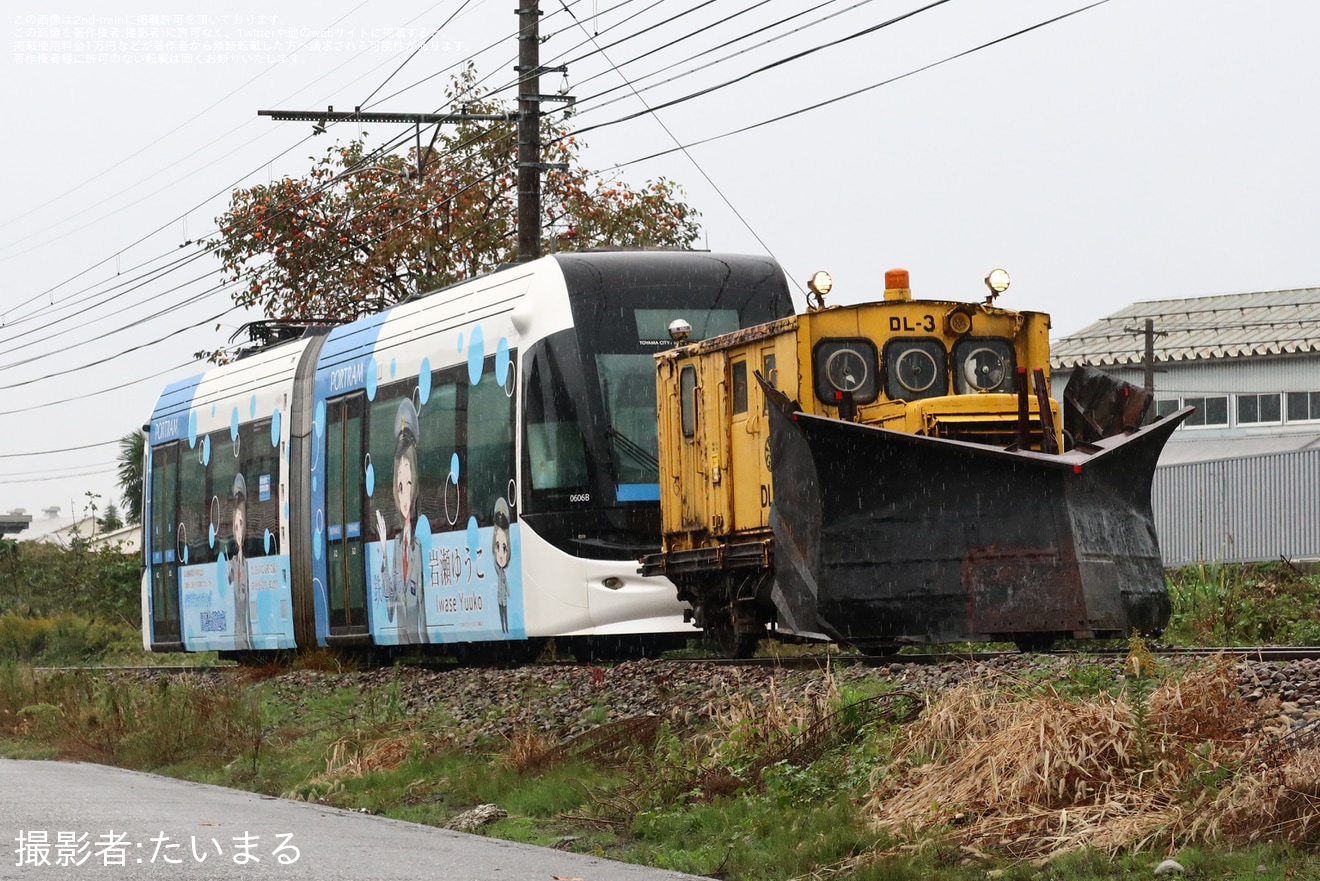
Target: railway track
(809,661)
(818,660)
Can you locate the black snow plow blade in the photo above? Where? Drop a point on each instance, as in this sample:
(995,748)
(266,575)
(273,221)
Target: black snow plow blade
(885,538)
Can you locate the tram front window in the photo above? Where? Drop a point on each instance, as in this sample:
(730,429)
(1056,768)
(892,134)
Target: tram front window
(591,476)
(627,385)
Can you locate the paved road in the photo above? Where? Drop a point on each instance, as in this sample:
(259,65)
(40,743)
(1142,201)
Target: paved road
(128,826)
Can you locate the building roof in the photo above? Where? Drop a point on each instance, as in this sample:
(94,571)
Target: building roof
(1224,326)
(14,522)
(1211,449)
(60,531)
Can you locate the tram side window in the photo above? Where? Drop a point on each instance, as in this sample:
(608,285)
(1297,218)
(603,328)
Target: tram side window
(490,459)
(260,466)
(464,450)
(441,498)
(382,443)
(194,510)
(243,473)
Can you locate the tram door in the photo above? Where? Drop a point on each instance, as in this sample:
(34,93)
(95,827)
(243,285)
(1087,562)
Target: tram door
(165,547)
(346,561)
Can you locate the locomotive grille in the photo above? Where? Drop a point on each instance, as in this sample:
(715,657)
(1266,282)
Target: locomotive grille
(991,432)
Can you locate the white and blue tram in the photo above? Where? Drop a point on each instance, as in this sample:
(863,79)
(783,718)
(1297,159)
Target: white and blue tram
(474,466)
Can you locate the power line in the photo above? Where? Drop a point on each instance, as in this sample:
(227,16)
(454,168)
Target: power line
(78,187)
(854,93)
(689,156)
(414,52)
(798,56)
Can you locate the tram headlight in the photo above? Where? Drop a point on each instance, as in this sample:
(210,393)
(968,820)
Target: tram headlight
(679,330)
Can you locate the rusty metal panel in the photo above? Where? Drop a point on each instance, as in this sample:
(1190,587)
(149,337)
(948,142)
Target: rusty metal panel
(885,535)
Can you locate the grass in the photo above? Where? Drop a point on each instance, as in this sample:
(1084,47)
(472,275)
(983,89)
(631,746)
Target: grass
(1241,604)
(684,796)
(802,778)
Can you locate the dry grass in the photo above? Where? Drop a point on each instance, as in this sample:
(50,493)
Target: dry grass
(365,752)
(532,751)
(528,750)
(1041,775)
(748,723)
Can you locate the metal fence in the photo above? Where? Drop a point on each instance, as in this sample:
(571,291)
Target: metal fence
(1248,509)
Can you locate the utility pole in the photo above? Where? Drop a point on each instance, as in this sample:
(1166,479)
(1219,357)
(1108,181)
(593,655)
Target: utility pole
(1148,361)
(530,165)
(529,131)
(528,116)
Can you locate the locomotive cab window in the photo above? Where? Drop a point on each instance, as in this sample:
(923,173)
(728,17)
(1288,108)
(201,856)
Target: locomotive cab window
(846,365)
(687,386)
(739,387)
(983,365)
(915,369)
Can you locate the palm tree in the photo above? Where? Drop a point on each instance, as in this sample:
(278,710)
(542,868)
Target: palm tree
(131,451)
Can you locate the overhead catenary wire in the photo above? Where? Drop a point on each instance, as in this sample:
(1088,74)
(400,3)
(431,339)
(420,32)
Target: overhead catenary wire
(79,186)
(797,56)
(176,219)
(689,156)
(385,148)
(847,95)
(868,30)
(712,62)
(623,119)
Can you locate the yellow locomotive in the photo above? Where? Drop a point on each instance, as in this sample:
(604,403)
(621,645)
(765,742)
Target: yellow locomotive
(898,472)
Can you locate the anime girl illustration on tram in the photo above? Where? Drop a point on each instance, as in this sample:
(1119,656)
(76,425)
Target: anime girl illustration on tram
(402,572)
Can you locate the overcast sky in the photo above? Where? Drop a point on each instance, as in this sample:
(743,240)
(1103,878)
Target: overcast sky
(1140,149)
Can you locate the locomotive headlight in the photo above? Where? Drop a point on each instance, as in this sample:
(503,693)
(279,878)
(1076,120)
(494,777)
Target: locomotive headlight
(997,281)
(820,283)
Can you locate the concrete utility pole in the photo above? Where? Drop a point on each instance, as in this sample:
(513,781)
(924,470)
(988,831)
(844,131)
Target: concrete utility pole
(1148,360)
(529,131)
(530,165)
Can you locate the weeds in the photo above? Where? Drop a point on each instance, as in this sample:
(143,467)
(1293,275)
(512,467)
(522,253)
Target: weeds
(1088,771)
(1238,604)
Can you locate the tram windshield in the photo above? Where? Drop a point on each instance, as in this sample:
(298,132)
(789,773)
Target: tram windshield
(590,443)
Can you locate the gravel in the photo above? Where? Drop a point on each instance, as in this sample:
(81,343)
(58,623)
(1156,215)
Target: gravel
(559,701)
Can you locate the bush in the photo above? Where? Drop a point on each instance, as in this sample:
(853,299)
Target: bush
(1244,604)
(63,639)
(44,579)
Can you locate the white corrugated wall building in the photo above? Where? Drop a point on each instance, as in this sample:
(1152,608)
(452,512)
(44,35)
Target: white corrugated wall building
(1240,481)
